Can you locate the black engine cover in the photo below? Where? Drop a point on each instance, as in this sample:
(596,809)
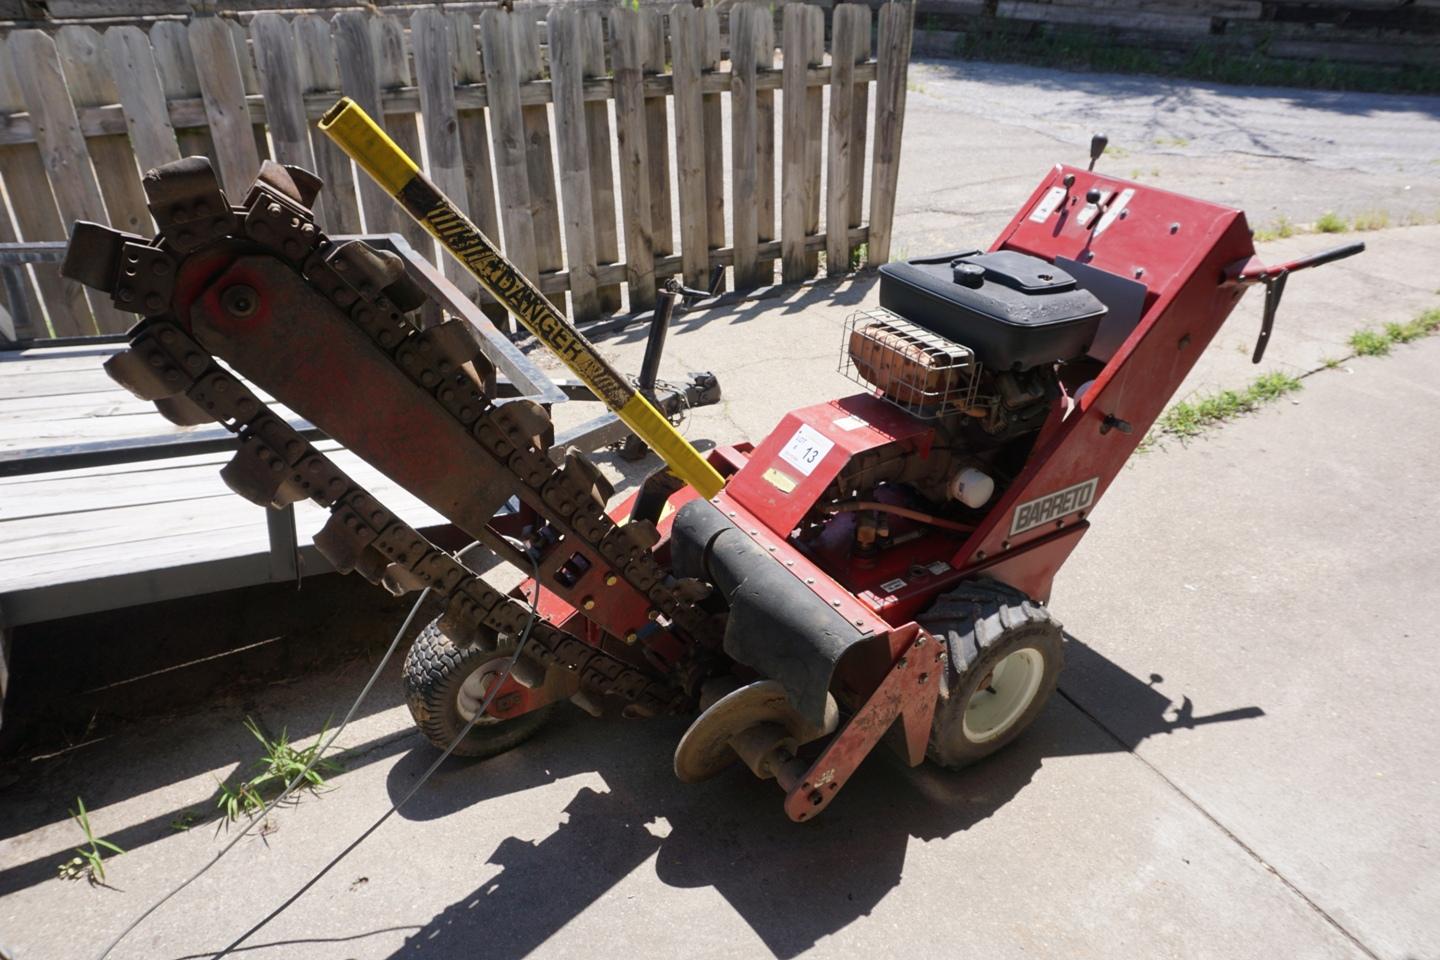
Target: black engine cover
(1013,310)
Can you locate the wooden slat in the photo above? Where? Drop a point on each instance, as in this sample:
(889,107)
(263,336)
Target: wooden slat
(765,142)
(801,172)
(714,137)
(432,36)
(319,75)
(567,56)
(602,171)
(814,137)
(744,152)
(627,52)
(507,127)
(137,82)
(223,89)
(360,81)
(893,56)
(175,64)
(848,19)
(38,218)
(475,145)
(87,75)
(250,78)
(657,126)
(687,32)
(474,130)
(539,157)
(278,61)
(394,65)
(41,83)
(859,123)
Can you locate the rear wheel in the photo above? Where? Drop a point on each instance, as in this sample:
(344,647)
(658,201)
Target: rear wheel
(445,685)
(1005,655)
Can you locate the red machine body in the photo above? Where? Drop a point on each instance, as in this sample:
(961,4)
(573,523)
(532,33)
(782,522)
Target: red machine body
(803,586)
(1180,256)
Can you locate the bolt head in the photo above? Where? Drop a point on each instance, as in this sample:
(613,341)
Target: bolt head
(239,300)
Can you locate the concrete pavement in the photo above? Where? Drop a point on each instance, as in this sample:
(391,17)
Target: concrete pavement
(1240,762)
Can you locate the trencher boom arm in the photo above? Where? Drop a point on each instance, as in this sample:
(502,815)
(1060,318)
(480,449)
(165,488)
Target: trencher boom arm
(379,156)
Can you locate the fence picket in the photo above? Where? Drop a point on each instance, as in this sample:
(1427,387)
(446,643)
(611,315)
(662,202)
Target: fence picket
(137,83)
(657,125)
(249,79)
(859,122)
(394,64)
(744,134)
(41,83)
(799,184)
(814,137)
(507,127)
(837,170)
(38,218)
(318,72)
(765,145)
(539,156)
(279,70)
(687,32)
(714,137)
(602,171)
(175,64)
(474,131)
(82,52)
(627,50)
(431,38)
(893,57)
(223,89)
(567,70)
(360,81)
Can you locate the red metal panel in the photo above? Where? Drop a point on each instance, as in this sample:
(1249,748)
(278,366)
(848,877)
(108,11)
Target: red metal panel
(1180,248)
(779,485)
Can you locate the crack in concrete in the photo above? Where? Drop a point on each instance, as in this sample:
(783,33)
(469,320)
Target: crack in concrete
(1230,834)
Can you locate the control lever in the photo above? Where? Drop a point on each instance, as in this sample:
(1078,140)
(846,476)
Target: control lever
(1274,277)
(1098,143)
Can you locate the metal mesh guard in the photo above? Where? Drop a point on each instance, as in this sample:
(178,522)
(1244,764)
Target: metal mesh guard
(918,370)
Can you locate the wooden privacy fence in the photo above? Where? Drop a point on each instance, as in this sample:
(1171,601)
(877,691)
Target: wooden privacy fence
(512,117)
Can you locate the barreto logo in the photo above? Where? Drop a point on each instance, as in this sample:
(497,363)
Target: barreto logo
(1053,506)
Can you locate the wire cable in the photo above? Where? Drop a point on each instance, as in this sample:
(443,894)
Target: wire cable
(265,811)
(484,705)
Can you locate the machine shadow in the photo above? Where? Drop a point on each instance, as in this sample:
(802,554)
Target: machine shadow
(791,884)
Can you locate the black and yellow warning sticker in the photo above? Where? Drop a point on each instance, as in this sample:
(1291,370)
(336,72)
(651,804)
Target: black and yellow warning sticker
(363,140)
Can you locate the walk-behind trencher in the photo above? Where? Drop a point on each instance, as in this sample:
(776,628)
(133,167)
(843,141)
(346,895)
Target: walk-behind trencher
(876,568)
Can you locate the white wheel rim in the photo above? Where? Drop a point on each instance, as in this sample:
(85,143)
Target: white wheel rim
(996,707)
(472,692)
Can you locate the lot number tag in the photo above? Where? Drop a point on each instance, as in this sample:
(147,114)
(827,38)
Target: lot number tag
(807,448)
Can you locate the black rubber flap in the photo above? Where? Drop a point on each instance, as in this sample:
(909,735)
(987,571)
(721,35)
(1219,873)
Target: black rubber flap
(777,625)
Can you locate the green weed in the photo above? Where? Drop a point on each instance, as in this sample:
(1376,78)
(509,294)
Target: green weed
(90,862)
(1369,343)
(281,763)
(1331,222)
(1190,418)
(858,256)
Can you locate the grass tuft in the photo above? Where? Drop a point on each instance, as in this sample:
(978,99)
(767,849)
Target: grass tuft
(1372,220)
(90,861)
(281,763)
(1190,418)
(1331,222)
